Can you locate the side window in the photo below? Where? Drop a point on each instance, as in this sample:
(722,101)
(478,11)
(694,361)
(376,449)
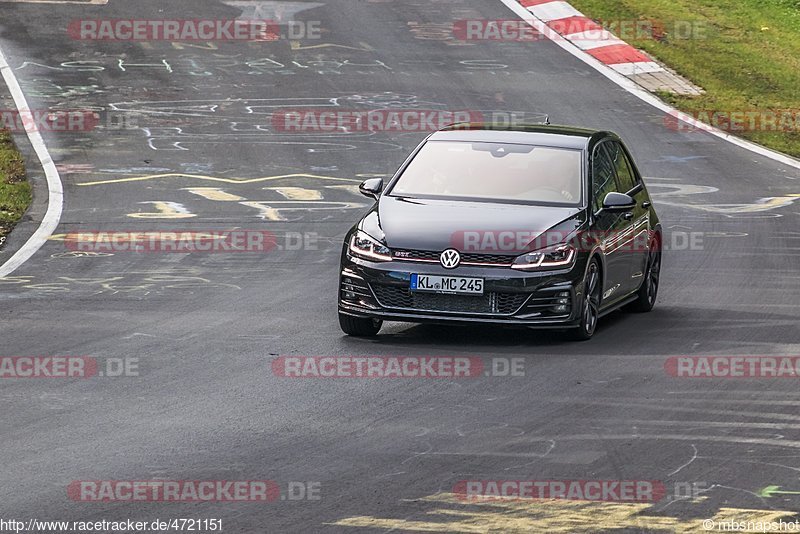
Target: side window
(625,176)
(602,176)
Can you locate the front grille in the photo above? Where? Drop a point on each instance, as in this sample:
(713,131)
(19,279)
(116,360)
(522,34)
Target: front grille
(467,258)
(489,303)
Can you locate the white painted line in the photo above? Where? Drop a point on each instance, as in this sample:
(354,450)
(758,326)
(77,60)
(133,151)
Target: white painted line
(554,11)
(55,189)
(640,92)
(638,67)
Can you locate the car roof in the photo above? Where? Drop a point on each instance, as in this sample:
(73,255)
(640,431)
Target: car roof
(526,134)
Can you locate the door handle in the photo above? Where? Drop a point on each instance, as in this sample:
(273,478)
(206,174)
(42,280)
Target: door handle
(646,204)
(628,215)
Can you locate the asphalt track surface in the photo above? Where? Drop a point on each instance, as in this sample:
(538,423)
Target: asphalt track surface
(205,327)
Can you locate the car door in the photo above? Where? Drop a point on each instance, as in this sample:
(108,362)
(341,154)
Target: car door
(613,228)
(630,183)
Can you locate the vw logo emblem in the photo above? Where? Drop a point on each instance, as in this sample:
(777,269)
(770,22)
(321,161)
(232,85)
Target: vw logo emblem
(450,258)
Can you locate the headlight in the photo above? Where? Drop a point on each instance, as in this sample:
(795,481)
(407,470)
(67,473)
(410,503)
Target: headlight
(363,246)
(546,258)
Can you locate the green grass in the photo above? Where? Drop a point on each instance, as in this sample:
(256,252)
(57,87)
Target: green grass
(15,191)
(747,59)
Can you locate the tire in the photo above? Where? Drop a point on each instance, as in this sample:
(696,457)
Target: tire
(590,305)
(358,326)
(646,297)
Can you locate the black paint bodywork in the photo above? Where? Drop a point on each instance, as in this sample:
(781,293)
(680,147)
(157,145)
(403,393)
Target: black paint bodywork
(428,225)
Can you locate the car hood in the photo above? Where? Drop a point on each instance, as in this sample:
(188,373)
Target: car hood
(435,225)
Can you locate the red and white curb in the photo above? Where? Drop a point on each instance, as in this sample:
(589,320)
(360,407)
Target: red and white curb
(591,37)
(629,83)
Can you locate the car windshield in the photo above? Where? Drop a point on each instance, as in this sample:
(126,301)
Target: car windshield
(493,171)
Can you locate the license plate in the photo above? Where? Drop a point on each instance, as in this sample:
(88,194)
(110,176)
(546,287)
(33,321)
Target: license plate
(453,285)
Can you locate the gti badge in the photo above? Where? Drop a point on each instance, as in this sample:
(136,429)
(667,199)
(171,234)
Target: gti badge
(450,258)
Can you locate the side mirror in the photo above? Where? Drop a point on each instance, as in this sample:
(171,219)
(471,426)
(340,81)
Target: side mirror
(372,187)
(618,202)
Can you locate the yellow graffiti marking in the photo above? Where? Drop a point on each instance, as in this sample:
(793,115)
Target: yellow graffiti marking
(349,188)
(48,287)
(549,515)
(90,280)
(297,193)
(268,213)
(15,279)
(271,213)
(150,281)
(206,46)
(295,45)
(164,210)
(117,238)
(80,254)
(214,178)
(680,190)
(765,204)
(214,193)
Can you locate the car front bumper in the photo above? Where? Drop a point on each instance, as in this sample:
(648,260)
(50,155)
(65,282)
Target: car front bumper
(534,299)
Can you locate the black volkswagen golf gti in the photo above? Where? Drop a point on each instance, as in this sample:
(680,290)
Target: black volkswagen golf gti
(541,226)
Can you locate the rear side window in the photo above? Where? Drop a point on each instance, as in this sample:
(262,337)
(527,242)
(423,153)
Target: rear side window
(603,181)
(625,176)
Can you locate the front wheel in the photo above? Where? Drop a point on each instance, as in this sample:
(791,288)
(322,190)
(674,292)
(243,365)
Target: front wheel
(646,297)
(590,307)
(359,326)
